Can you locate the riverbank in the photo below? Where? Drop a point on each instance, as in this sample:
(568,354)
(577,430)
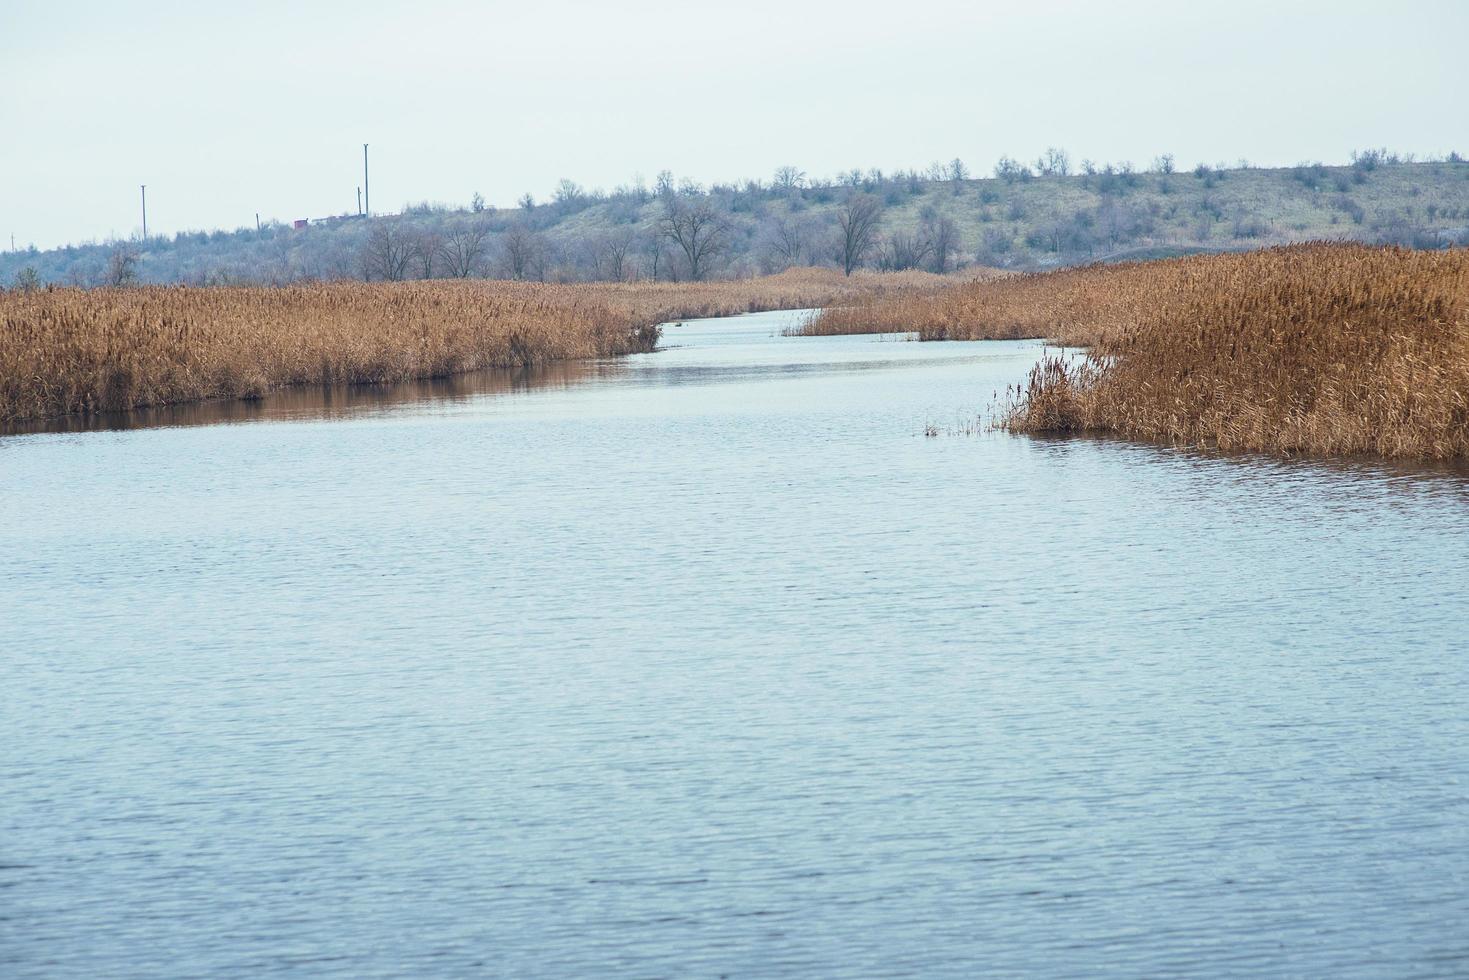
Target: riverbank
(1329,349)
(70,351)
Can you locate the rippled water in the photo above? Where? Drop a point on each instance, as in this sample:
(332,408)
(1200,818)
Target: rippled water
(708,663)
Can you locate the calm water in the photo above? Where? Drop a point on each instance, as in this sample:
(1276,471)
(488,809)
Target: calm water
(709,663)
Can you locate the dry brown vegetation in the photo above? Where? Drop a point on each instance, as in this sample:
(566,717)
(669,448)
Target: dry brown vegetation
(65,351)
(794,289)
(941,308)
(1327,349)
(1320,348)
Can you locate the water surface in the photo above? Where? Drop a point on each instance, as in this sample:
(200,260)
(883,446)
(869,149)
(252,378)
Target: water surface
(707,662)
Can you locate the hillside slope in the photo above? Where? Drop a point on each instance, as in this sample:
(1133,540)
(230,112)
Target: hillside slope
(1019,221)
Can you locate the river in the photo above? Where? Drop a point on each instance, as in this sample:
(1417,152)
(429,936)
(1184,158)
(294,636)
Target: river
(708,662)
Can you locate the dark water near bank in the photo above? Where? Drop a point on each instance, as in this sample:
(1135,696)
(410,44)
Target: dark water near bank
(707,662)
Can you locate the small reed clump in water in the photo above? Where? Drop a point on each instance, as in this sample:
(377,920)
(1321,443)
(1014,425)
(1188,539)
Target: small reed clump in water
(67,351)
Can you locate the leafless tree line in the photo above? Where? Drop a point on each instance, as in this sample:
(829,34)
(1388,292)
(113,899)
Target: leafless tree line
(672,229)
(392,250)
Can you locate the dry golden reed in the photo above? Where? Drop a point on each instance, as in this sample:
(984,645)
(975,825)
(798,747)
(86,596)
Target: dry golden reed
(65,351)
(1328,349)
(1323,348)
(933,306)
(794,289)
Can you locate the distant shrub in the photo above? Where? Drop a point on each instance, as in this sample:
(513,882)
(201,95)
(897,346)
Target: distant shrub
(1368,160)
(1210,207)
(1245,227)
(1010,170)
(1349,207)
(1311,175)
(27,280)
(997,242)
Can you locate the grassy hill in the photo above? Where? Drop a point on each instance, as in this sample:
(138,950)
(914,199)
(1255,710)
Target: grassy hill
(1018,219)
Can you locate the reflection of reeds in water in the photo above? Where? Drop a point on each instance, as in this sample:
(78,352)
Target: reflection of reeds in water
(65,351)
(329,401)
(1322,348)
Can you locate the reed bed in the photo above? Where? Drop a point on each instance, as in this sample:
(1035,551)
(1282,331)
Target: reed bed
(1323,348)
(1327,349)
(68,351)
(989,303)
(794,289)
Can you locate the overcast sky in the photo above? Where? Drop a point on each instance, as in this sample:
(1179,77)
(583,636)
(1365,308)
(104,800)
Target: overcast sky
(226,110)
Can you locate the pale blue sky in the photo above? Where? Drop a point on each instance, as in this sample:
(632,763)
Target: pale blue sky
(228,109)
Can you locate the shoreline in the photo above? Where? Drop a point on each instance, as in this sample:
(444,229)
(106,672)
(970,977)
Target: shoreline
(77,353)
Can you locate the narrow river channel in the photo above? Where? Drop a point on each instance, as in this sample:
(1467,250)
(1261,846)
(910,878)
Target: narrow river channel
(708,662)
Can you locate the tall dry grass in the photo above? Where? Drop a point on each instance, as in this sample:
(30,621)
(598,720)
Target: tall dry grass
(932,306)
(794,289)
(1325,348)
(66,351)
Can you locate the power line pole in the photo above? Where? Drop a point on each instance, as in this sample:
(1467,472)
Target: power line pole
(359,202)
(257,222)
(366,194)
(145,211)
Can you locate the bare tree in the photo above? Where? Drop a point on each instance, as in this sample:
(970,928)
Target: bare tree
(569,196)
(789,178)
(699,229)
(904,251)
(942,235)
(427,249)
(463,249)
(659,263)
(523,253)
(857,219)
(388,252)
(611,250)
(122,265)
(1055,162)
(787,241)
(958,173)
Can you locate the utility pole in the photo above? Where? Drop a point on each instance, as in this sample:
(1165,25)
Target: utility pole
(366,194)
(257,222)
(145,211)
(359,202)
